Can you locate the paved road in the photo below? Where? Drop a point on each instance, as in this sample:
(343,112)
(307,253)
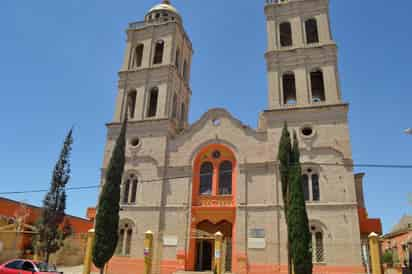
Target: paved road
(72,270)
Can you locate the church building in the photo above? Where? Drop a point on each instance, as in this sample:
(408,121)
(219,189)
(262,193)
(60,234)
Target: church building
(184,182)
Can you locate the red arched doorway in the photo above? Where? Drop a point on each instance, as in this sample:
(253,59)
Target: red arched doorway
(205,246)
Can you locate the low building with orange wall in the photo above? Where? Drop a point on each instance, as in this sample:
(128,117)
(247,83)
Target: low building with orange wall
(399,242)
(15,214)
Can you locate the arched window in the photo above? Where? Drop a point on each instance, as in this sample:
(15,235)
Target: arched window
(318,249)
(206,178)
(289,89)
(225,178)
(134,190)
(216,165)
(315,187)
(128,243)
(130,189)
(311,27)
(183,113)
(138,56)
(311,188)
(177,59)
(126,192)
(131,103)
(317,86)
(285,34)
(152,109)
(124,243)
(305,182)
(158,55)
(174,106)
(185,70)
(119,248)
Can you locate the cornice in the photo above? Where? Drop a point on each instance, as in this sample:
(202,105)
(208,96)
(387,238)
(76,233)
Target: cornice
(286,59)
(147,31)
(319,113)
(145,128)
(240,205)
(297,109)
(156,74)
(296,9)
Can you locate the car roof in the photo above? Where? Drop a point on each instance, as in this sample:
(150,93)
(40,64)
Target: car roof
(21,261)
(13,260)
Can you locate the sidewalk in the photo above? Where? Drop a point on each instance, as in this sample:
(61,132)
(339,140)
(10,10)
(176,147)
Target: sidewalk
(73,270)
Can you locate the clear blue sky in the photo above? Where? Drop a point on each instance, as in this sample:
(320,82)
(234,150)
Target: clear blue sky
(59,63)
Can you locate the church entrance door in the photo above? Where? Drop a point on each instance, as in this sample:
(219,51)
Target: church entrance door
(205,245)
(204,255)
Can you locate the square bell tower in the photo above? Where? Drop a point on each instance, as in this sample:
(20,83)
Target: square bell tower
(154,78)
(301,55)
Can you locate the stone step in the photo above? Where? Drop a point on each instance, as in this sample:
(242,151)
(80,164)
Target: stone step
(197,272)
(193,272)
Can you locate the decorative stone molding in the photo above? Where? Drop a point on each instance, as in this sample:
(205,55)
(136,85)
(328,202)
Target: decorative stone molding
(285,60)
(296,8)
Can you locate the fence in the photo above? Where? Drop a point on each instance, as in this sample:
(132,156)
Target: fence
(217,254)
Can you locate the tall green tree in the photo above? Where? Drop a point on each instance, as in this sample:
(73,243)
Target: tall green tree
(107,216)
(298,223)
(52,230)
(284,155)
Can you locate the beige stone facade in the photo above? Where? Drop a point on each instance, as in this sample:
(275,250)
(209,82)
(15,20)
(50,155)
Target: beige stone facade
(163,149)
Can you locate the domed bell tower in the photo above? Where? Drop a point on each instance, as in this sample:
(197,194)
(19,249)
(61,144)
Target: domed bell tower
(154,78)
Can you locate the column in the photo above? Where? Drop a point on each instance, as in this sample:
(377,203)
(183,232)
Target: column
(374,248)
(89,252)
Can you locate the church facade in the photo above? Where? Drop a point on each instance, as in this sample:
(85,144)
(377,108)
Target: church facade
(184,182)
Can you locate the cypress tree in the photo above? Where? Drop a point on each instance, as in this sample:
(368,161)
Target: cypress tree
(51,230)
(298,223)
(107,216)
(284,154)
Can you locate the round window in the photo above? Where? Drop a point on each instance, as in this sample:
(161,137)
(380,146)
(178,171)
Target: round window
(216,154)
(307,131)
(135,142)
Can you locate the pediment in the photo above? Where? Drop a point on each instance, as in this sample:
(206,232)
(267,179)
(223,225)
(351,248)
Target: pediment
(214,117)
(218,126)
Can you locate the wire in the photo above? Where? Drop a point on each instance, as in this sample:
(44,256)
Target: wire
(205,174)
(45,190)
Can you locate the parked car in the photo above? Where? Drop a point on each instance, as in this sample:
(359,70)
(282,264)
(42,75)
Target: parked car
(20,266)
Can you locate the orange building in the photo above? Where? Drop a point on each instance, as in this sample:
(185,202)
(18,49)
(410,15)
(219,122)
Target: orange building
(366,225)
(17,220)
(399,242)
